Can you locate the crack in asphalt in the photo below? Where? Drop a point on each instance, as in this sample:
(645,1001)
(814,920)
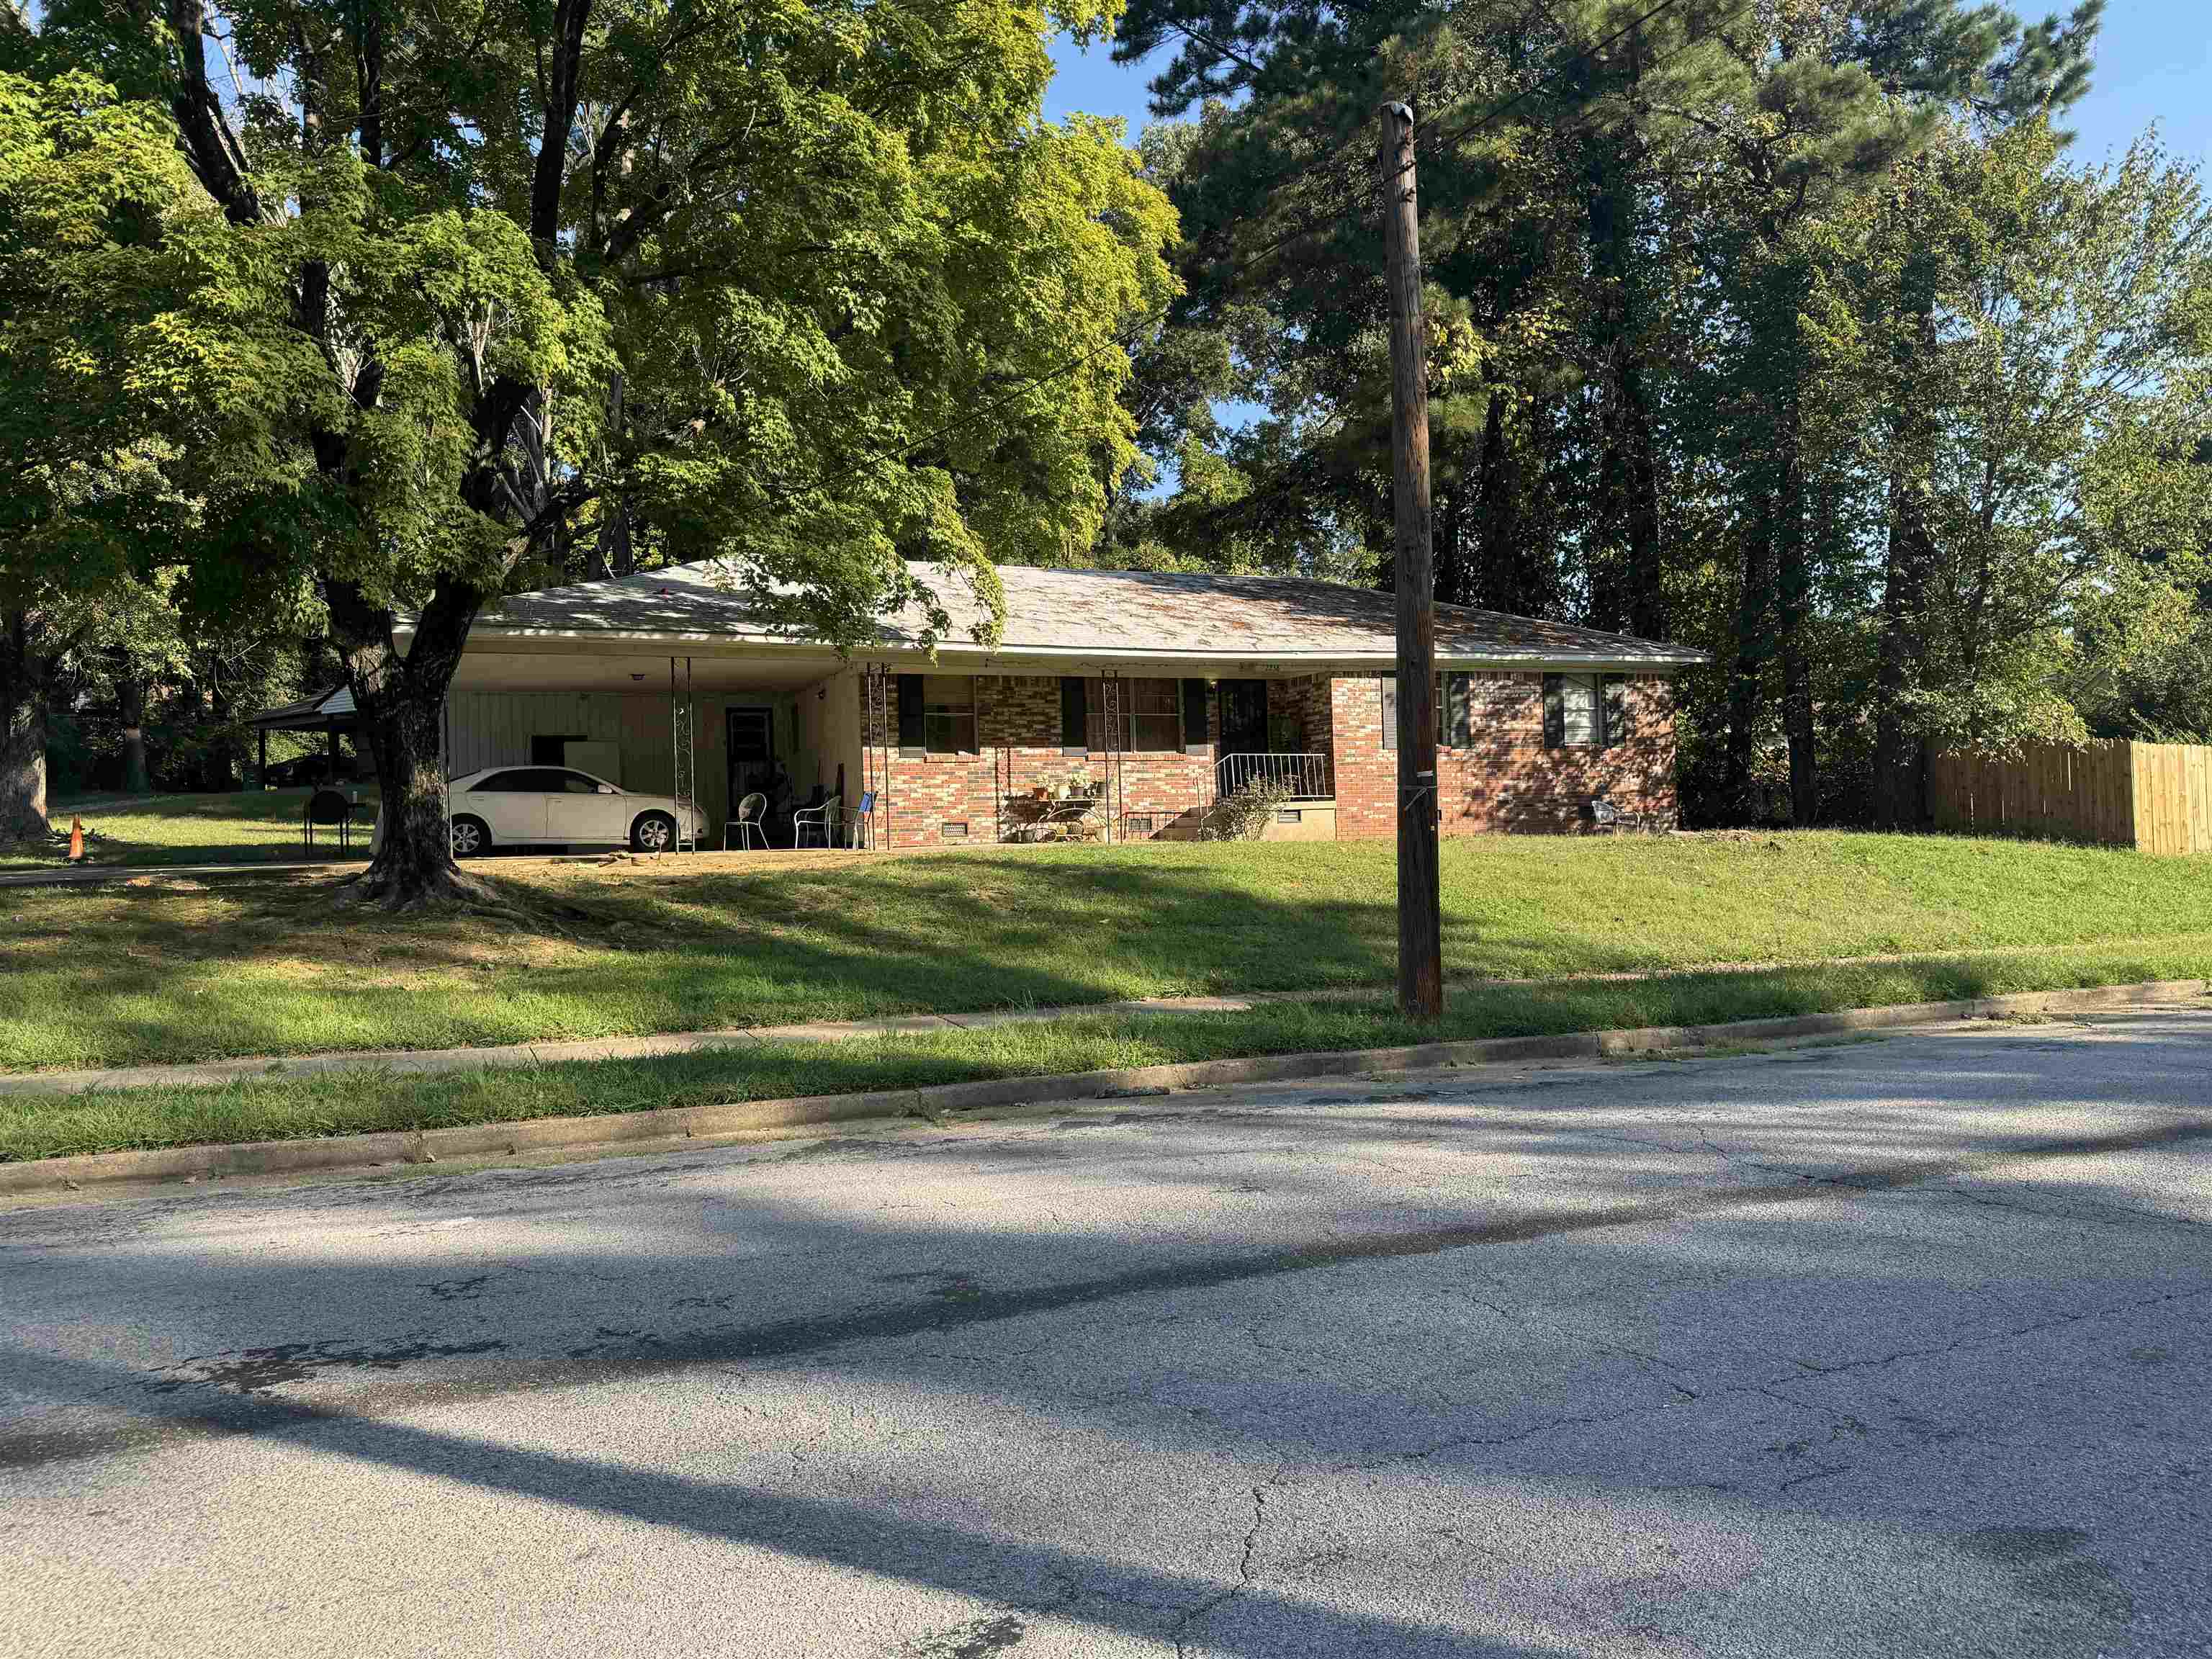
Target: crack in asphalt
(1245,1576)
(1581,1338)
(218,1408)
(2102,1210)
(2033,1328)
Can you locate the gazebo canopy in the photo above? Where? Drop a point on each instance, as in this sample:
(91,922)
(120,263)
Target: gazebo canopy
(319,712)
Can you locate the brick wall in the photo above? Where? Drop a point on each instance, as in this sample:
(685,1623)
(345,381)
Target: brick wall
(1018,739)
(1366,774)
(1306,704)
(1506,778)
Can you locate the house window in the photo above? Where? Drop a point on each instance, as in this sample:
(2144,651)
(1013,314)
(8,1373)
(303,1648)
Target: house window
(1152,713)
(1578,709)
(1074,716)
(1453,720)
(948,713)
(1585,711)
(953,830)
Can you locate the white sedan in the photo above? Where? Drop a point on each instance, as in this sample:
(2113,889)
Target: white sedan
(560,807)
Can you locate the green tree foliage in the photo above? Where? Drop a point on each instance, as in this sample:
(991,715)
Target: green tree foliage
(1787,329)
(122,351)
(530,291)
(2017,357)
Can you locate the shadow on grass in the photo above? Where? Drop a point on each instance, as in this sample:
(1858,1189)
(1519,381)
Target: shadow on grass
(372,1098)
(244,827)
(109,978)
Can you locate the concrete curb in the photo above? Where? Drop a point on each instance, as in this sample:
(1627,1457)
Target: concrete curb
(408,1062)
(761,1119)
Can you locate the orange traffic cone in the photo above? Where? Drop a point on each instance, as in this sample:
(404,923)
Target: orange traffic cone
(76,839)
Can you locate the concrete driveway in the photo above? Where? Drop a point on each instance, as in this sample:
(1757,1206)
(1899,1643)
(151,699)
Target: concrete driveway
(1892,1348)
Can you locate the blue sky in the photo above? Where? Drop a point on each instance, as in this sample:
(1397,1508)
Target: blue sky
(2154,64)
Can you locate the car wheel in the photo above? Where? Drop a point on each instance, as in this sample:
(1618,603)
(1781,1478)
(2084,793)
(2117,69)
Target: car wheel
(470,837)
(653,832)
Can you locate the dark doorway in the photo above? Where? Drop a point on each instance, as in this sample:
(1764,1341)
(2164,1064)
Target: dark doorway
(553,750)
(752,759)
(1244,717)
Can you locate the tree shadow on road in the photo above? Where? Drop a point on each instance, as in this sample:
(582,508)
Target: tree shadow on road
(1724,1312)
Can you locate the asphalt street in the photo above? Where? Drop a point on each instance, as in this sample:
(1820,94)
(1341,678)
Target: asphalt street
(1893,1347)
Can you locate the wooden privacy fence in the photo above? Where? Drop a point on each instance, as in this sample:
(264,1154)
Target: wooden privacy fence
(2154,797)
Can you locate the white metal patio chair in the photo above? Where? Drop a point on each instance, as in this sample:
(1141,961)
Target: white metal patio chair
(746,821)
(822,820)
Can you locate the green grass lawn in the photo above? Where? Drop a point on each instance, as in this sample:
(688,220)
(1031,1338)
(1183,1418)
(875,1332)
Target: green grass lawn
(175,972)
(250,826)
(287,1108)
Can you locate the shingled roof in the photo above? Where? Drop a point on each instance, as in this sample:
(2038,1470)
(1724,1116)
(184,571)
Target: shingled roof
(309,714)
(1131,614)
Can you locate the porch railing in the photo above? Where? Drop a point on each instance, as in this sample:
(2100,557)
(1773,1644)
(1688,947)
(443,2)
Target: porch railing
(1305,776)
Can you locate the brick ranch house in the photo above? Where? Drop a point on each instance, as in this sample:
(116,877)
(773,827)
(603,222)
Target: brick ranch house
(1165,690)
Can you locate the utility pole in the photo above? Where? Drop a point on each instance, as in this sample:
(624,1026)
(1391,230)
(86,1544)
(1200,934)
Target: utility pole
(1420,903)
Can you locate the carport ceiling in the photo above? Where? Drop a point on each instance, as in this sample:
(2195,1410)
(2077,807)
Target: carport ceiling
(555,670)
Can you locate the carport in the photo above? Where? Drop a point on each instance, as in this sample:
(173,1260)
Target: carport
(710,724)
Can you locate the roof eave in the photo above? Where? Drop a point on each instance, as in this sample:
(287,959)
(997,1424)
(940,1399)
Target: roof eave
(1012,659)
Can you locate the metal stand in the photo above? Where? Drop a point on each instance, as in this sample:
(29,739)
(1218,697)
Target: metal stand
(1110,703)
(683,752)
(879,733)
(446,763)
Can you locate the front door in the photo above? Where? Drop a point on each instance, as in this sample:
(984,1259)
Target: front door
(1244,717)
(752,755)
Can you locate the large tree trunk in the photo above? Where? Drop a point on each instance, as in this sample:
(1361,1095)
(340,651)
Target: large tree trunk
(1748,676)
(1794,602)
(1497,576)
(225,750)
(1604,556)
(130,717)
(1647,590)
(22,734)
(401,701)
(1899,775)
(1899,760)
(614,550)
(1628,471)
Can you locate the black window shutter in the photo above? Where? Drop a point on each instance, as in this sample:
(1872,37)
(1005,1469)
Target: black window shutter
(911,742)
(1194,717)
(1389,713)
(1555,711)
(1074,717)
(1618,726)
(1458,726)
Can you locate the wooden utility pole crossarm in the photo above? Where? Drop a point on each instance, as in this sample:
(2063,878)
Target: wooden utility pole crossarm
(1420,907)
